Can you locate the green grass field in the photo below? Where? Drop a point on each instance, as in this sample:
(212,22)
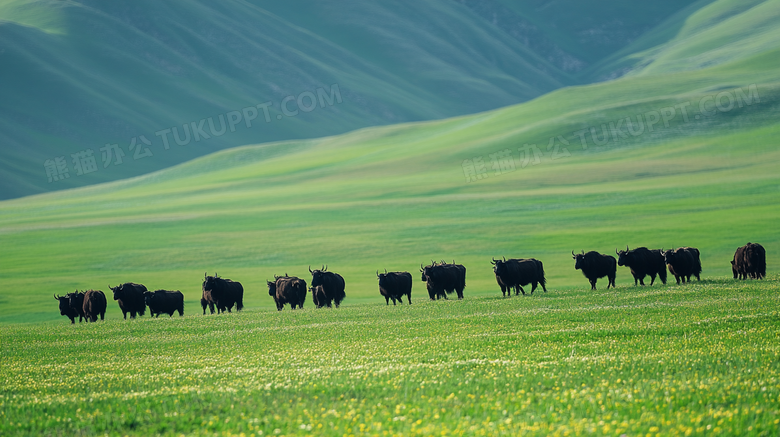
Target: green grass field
(699,359)
(696,359)
(394,197)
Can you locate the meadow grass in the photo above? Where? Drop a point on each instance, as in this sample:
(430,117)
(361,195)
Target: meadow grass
(395,197)
(663,360)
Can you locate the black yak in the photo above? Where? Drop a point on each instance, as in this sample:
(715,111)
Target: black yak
(441,278)
(130,297)
(318,296)
(642,262)
(94,305)
(287,289)
(749,261)
(222,293)
(332,286)
(394,285)
(514,273)
(594,266)
(683,263)
(71,305)
(164,301)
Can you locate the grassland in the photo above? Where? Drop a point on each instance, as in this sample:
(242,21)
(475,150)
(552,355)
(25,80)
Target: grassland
(661,360)
(701,359)
(394,197)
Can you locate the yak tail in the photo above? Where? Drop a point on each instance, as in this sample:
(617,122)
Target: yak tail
(541,270)
(239,304)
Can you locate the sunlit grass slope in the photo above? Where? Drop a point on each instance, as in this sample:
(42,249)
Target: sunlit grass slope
(700,359)
(394,197)
(714,33)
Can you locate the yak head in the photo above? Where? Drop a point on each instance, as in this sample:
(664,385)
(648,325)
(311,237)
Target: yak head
(317,276)
(427,271)
(579,260)
(382,277)
(120,291)
(625,257)
(499,266)
(210,282)
(669,255)
(271,287)
(64,304)
(148,295)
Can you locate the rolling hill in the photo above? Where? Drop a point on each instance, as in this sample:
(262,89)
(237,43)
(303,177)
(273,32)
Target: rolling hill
(721,32)
(76,76)
(571,170)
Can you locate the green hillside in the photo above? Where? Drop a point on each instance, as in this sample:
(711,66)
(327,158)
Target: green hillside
(394,197)
(696,37)
(79,75)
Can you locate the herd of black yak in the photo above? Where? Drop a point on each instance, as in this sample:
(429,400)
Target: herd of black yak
(441,278)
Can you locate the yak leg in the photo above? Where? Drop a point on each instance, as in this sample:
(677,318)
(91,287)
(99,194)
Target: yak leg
(593,284)
(408,296)
(533,287)
(387,301)
(520,287)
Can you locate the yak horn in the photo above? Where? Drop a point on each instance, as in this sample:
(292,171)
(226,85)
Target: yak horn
(504,258)
(572,253)
(617,252)
(493,261)
(55,297)
(310,269)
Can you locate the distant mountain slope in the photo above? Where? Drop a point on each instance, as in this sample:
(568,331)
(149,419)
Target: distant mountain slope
(718,32)
(78,75)
(81,74)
